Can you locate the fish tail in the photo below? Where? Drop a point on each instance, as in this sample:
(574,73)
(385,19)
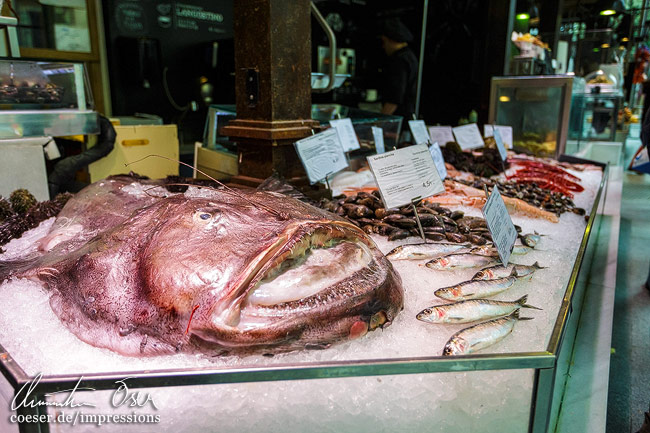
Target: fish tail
(16,268)
(522,301)
(515,315)
(537,266)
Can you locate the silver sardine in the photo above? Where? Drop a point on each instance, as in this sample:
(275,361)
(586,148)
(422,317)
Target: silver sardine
(461,260)
(531,239)
(475,289)
(426,251)
(500,271)
(472,310)
(482,335)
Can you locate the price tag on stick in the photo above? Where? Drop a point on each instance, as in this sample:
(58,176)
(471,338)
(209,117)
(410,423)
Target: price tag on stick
(500,146)
(378,135)
(419,131)
(500,225)
(321,155)
(441,134)
(438,160)
(405,174)
(468,136)
(348,137)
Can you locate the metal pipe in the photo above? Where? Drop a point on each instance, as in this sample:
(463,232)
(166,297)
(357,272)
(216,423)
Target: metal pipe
(421,60)
(332,39)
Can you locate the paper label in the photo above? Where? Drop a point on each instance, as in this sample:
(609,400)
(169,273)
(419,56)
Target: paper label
(641,160)
(405,174)
(348,137)
(500,146)
(441,134)
(468,136)
(51,150)
(378,135)
(419,131)
(500,225)
(438,160)
(321,155)
(506,133)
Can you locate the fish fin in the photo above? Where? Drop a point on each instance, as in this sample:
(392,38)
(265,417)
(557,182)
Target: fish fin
(515,314)
(514,273)
(522,301)
(537,266)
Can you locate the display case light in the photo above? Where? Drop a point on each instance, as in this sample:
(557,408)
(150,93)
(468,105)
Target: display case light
(607,12)
(523,16)
(504,98)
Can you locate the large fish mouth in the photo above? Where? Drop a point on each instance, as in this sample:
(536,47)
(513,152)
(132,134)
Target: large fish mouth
(306,260)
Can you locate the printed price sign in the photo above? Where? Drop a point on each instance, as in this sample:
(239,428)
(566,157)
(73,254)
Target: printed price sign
(500,225)
(405,174)
(419,131)
(441,134)
(321,155)
(506,133)
(500,146)
(348,137)
(438,160)
(378,135)
(468,136)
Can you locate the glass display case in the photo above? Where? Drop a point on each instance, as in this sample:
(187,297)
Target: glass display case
(537,108)
(44,99)
(362,120)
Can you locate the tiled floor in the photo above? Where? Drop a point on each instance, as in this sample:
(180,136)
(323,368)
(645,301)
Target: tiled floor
(629,379)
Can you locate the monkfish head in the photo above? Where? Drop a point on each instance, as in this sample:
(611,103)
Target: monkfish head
(261,271)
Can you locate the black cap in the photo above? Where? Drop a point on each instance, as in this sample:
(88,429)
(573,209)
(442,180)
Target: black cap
(394,29)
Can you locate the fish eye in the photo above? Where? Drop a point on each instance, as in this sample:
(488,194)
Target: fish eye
(427,311)
(205,216)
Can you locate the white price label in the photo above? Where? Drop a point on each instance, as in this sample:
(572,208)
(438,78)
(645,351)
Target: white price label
(51,150)
(441,134)
(378,135)
(419,131)
(468,136)
(405,174)
(500,225)
(321,155)
(348,137)
(438,160)
(506,133)
(500,146)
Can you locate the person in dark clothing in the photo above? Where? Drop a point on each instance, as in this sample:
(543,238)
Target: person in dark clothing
(401,71)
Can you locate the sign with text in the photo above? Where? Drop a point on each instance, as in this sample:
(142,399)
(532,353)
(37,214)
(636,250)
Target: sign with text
(500,146)
(419,131)
(378,135)
(438,160)
(506,133)
(405,174)
(468,136)
(441,134)
(321,155)
(500,225)
(348,137)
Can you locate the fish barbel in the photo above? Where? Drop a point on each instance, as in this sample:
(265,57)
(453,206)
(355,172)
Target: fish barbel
(471,310)
(482,335)
(426,251)
(500,271)
(461,260)
(474,289)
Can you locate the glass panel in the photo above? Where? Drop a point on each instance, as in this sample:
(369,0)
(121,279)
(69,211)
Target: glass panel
(55,24)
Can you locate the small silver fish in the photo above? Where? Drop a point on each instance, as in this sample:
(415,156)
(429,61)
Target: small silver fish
(482,335)
(521,249)
(485,250)
(426,251)
(475,289)
(461,260)
(500,271)
(472,310)
(530,239)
